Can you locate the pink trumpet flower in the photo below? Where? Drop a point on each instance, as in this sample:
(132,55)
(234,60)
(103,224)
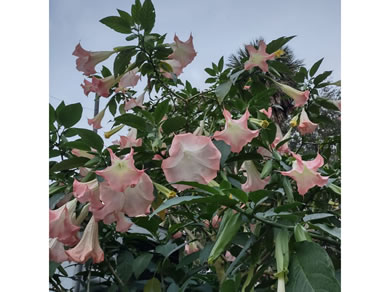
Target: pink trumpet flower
(82,153)
(56,251)
(129,79)
(305,125)
(96,121)
(183,52)
(278,138)
(258,57)
(191,248)
(61,224)
(130,140)
(253,182)
(87,60)
(88,192)
(236,132)
(192,158)
(134,102)
(299,97)
(122,172)
(305,173)
(229,257)
(88,246)
(177,68)
(99,86)
(267,112)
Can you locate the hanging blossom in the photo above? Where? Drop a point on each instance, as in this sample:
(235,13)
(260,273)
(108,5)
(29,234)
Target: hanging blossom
(134,201)
(278,138)
(57,251)
(267,112)
(122,172)
(89,246)
(129,79)
(87,192)
(61,224)
(236,132)
(253,181)
(305,125)
(130,140)
(134,102)
(192,158)
(96,121)
(182,55)
(215,221)
(191,248)
(100,86)
(87,60)
(305,173)
(300,97)
(83,153)
(258,57)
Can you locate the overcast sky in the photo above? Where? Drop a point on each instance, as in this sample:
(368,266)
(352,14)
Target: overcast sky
(219,28)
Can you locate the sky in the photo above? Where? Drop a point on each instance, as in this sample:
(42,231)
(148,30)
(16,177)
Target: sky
(219,28)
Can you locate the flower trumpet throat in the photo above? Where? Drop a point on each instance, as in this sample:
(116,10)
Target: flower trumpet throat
(165,191)
(108,134)
(294,121)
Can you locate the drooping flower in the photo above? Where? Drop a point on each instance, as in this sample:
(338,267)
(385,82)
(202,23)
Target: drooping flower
(299,97)
(88,246)
(214,222)
(258,57)
(130,140)
(87,192)
(129,79)
(96,121)
(177,235)
(113,131)
(56,251)
(236,132)
(82,153)
(123,224)
(192,158)
(229,257)
(134,201)
(122,172)
(264,152)
(278,138)
(253,181)
(191,248)
(176,66)
(305,173)
(305,125)
(87,60)
(133,102)
(61,224)
(101,86)
(267,112)
(183,52)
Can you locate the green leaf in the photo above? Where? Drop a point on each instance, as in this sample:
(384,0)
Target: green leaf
(301,234)
(132,121)
(124,266)
(314,68)
(326,103)
(88,137)
(52,268)
(335,188)
(278,43)
(220,64)
(122,60)
(126,16)
(206,188)
(259,195)
(235,76)
(210,71)
(117,23)
(316,216)
(105,72)
(147,16)
(55,189)
(268,134)
(222,90)
(78,145)
(173,202)
(112,106)
(70,114)
(173,125)
(166,249)
(224,238)
(334,231)
(52,114)
(239,194)
(224,149)
(282,256)
(141,263)
(228,286)
(288,189)
(321,77)
(161,110)
(153,285)
(311,270)
(135,11)
(267,168)
(69,164)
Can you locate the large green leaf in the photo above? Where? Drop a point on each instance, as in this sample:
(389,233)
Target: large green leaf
(117,23)
(222,90)
(124,266)
(224,149)
(278,43)
(87,136)
(52,114)
(311,270)
(173,202)
(173,125)
(161,110)
(141,263)
(314,68)
(321,77)
(122,60)
(153,285)
(70,114)
(147,16)
(69,164)
(132,121)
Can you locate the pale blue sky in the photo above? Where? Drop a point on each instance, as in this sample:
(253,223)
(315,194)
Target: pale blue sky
(219,28)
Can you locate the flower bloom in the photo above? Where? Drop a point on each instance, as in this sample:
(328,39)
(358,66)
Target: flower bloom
(88,246)
(279,137)
(177,235)
(177,68)
(61,224)
(96,121)
(133,102)
(191,248)
(82,153)
(134,201)
(130,140)
(236,132)
(56,251)
(264,152)
(268,112)
(122,172)
(258,57)
(87,192)
(305,173)
(87,60)
(192,158)
(229,257)
(129,79)
(101,86)
(305,125)
(214,222)
(253,182)
(299,97)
